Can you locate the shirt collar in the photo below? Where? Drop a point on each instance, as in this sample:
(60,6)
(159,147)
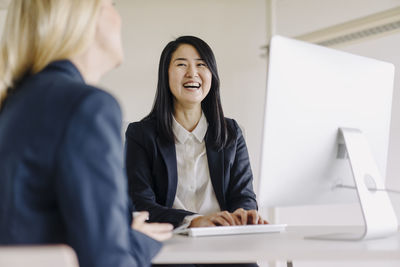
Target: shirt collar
(181,134)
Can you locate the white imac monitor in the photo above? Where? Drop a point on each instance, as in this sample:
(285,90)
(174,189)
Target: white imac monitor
(326,132)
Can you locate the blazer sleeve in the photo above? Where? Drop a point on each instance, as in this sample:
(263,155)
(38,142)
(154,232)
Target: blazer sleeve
(240,192)
(141,178)
(92,191)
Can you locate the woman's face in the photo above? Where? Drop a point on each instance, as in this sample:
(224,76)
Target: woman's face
(189,76)
(108,33)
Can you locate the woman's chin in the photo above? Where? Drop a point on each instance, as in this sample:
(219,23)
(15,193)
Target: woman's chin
(118,60)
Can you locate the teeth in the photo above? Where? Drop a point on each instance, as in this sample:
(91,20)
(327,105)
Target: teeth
(192,85)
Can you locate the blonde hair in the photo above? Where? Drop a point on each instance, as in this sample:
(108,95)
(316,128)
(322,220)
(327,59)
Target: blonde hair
(38,32)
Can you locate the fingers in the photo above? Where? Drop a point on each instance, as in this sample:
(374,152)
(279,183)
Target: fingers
(228,217)
(241,214)
(158,231)
(216,219)
(139,219)
(255,217)
(219,221)
(162,236)
(159,227)
(249,217)
(262,221)
(252,217)
(225,218)
(202,221)
(237,219)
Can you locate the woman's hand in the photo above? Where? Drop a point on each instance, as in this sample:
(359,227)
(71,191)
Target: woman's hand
(248,217)
(157,231)
(223,218)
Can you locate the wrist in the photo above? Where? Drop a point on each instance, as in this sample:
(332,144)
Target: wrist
(187,221)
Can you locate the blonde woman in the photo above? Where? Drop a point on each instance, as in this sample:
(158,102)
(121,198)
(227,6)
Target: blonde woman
(61,166)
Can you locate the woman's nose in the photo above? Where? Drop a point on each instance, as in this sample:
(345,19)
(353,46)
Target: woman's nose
(191,71)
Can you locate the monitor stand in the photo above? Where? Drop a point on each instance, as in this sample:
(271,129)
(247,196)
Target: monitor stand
(379,217)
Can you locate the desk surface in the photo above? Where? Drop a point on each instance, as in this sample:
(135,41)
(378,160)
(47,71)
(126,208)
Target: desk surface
(288,245)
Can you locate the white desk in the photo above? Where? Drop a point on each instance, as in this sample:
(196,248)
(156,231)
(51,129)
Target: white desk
(285,246)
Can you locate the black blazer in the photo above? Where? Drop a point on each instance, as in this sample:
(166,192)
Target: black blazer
(61,171)
(152,173)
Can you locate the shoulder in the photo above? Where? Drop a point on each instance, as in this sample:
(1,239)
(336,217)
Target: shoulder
(234,130)
(54,97)
(231,123)
(94,102)
(90,95)
(94,115)
(87,107)
(93,123)
(58,90)
(146,128)
(85,94)
(86,100)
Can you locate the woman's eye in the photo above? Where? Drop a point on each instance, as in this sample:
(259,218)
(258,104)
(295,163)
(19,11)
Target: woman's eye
(181,64)
(202,65)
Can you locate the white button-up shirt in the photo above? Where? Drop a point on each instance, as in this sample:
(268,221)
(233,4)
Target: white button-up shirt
(195,191)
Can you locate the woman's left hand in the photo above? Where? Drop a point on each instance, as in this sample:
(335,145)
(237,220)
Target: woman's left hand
(249,217)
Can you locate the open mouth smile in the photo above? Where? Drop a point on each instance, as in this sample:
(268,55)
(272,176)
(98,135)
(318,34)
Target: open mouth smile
(192,85)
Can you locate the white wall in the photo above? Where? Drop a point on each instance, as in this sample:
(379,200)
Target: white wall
(235,29)
(4,3)
(296,17)
(3,13)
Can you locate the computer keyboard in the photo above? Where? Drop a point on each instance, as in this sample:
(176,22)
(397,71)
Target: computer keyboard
(231,230)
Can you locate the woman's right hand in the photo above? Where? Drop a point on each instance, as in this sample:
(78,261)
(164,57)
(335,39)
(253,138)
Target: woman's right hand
(223,218)
(157,231)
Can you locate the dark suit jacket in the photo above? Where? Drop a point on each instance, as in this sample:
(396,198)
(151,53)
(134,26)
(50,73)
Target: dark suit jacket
(61,171)
(152,173)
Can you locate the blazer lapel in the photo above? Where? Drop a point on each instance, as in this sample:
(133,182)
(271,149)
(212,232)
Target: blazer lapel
(169,155)
(216,166)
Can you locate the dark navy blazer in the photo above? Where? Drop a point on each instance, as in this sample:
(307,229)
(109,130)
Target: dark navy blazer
(152,172)
(61,171)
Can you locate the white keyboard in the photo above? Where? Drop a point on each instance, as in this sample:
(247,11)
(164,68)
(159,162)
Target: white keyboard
(231,230)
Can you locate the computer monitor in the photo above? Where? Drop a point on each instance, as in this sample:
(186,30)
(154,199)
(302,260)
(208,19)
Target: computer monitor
(326,123)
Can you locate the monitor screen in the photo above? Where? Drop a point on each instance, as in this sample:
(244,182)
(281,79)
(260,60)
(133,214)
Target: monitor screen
(312,92)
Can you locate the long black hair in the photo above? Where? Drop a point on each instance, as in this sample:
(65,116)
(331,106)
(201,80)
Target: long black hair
(163,108)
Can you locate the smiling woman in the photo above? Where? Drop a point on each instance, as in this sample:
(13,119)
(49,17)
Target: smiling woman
(181,59)
(189,77)
(189,81)
(187,164)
